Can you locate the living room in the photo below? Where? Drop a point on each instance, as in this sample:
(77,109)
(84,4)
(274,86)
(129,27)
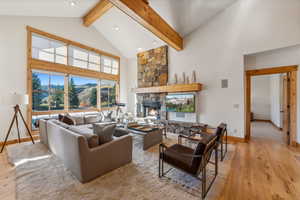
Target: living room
(163,81)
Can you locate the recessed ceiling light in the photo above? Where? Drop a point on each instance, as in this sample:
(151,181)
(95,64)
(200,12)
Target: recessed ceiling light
(140,49)
(116,28)
(72,3)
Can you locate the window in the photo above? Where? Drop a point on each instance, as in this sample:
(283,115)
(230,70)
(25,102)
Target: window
(49,50)
(47,91)
(82,92)
(84,59)
(108,93)
(57,90)
(109,65)
(40,91)
(60,91)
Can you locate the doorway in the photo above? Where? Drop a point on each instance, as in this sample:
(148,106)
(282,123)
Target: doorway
(289,100)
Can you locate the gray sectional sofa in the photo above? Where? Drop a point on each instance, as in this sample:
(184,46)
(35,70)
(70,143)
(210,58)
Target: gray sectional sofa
(75,151)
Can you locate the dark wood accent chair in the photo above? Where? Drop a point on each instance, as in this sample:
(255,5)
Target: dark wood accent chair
(189,160)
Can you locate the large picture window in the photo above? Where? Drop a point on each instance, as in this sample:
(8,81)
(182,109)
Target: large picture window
(66,76)
(47,91)
(82,92)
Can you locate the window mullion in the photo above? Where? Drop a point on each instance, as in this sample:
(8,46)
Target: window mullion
(88,60)
(49,92)
(99,94)
(66,93)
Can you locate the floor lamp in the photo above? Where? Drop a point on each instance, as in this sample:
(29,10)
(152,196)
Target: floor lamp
(16,100)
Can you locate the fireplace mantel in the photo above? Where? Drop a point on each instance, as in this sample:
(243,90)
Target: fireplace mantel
(193,87)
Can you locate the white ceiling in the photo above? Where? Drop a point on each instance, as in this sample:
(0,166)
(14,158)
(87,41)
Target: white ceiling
(46,8)
(131,35)
(183,15)
(187,15)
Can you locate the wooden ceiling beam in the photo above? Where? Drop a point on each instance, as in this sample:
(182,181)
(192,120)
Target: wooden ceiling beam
(147,17)
(146,1)
(96,12)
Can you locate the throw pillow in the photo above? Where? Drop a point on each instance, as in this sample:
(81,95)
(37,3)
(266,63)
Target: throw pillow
(91,138)
(60,117)
(105,133)
(66,119)
(100,117)
(108,117)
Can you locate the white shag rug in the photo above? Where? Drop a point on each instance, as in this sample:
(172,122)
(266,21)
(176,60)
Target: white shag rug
(40,175)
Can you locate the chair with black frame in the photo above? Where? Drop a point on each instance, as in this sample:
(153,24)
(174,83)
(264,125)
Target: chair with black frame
(221,132)
(189,160)
(221,143)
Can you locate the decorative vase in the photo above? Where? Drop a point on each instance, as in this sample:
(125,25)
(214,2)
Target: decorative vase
(175,79)
(194,80)
(183,78)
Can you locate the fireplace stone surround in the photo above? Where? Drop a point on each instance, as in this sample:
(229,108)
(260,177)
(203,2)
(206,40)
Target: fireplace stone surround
(152,71)
(148,102)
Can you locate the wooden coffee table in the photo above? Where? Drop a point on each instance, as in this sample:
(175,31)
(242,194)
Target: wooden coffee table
(151,135)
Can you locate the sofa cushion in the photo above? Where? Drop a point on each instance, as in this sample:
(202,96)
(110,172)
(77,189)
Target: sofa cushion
(104,132)
(177,155)
(91,119)
(79,120)
(91,138)
(62,124)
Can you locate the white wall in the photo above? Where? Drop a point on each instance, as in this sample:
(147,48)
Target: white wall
(275,99)
(216,51)
(266,95)
(13,41)
(131,84)
(260,97)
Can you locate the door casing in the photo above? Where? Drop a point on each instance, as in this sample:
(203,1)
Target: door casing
(292,72)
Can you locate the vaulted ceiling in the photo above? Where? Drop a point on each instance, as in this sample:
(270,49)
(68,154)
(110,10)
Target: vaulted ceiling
(125,34)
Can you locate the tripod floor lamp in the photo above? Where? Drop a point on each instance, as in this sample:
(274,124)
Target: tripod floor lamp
(16,100)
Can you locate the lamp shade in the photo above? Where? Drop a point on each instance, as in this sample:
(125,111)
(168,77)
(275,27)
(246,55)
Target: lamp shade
(16,99)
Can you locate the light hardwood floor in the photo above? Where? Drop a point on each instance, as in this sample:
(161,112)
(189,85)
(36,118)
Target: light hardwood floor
(261,170)
(264,169)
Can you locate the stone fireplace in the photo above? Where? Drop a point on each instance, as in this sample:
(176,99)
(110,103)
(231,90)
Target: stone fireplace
(152,71)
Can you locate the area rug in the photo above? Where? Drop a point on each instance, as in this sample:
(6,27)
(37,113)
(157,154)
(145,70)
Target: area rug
(41,175)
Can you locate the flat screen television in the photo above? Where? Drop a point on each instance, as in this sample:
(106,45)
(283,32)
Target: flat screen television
(180,103)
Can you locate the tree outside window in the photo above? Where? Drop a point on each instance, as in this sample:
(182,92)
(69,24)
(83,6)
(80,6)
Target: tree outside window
(108,93)
(82,92)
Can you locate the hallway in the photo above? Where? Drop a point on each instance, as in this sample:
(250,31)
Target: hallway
(264,169)
(262,131)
